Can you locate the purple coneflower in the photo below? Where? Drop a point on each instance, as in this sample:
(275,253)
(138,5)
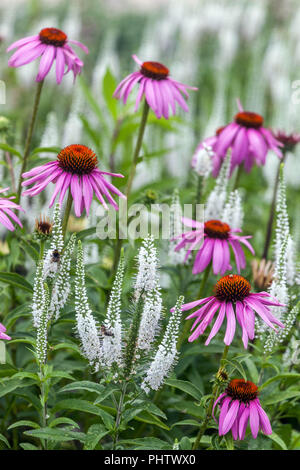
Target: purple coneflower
(238,406)
(2,332)
(75,168)
(216,160)
(160,91)
(232,298)
(289,141)
(215,238)
(6,206)
(248,140)
(50,44)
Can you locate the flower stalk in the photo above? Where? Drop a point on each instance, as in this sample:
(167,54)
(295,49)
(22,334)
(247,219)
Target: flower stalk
(215,390)
(29,136)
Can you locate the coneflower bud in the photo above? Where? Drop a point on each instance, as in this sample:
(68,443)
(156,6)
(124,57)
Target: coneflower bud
(263,273)
(222,375)
(43,228)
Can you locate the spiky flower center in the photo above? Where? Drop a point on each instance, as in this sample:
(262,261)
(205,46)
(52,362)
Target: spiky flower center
(232,288)
(77,159)
(248,119)
(216,229)
(242,390)
(43,226)
(154,70)
(53,36)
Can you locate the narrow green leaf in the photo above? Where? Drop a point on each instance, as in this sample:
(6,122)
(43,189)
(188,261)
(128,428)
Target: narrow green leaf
(186,387)
(60,435)
(15,280)
(24,422)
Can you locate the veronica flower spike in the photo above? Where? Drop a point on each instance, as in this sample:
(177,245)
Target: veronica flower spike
(75,169)
(239,405)
(233,300)
(6,212)
(51,44)
(160,90)
(214,239)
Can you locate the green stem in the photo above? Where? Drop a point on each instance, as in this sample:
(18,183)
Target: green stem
(29,136)
(212,400)
(135,159)
(119,415)
(44,405)
(137,148)
(42,247)
(238,177)
(272,212)
(186,327)
(67,213)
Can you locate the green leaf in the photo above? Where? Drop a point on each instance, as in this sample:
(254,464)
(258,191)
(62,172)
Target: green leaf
(146,417)
(27,446)
(84,385)
(15,280)
(59,373)
(24,422)
(85,407)
(3,439)
(7,370)
(147,443)
(11,150)
(186,422)
(279,377)
(27,375)
(11,384)
(85,233)
(60,435)
(29,249)
(46,150)
(238,366)
(274,437)
(72,346)
(252,370)
(186,387)
(95,433)
(185,444)
(63,420)
(283,395)
(109,85)
(21,311)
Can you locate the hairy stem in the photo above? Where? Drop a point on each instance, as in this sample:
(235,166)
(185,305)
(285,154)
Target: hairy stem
(134,163)
(119,415)
(215,390)
(67,213)
(29,136)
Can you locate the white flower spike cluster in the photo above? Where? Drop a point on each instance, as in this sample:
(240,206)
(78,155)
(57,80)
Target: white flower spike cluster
(279,287)
(202,161)
(42,326)
(62,286)
(176,228)
(147,283)
(166,355)
(111,347)
(146,279)
(85,322)
(233,213)
(57,243)
(216,200)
